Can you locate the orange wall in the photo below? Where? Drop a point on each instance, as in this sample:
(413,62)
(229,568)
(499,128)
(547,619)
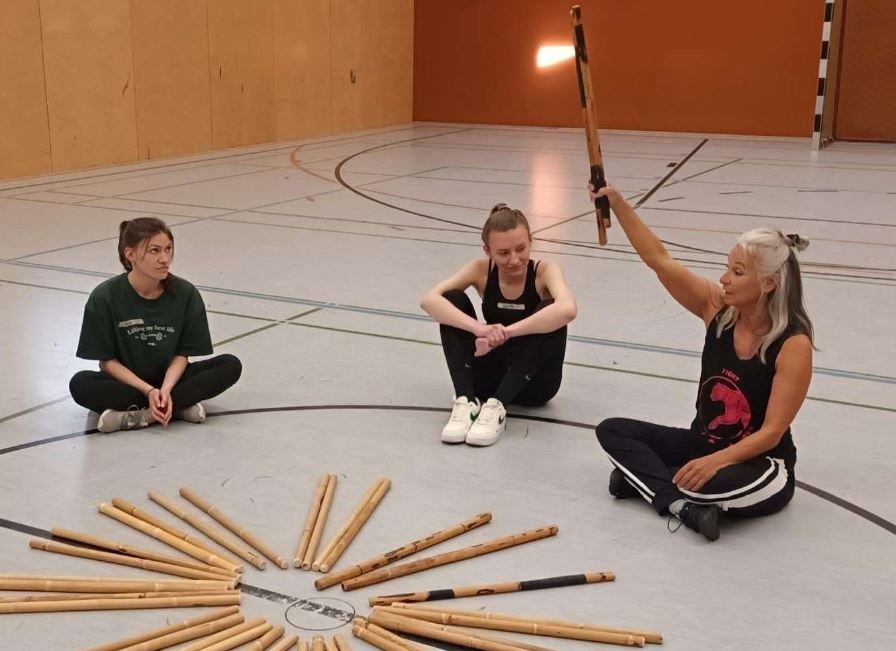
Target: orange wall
(715,66)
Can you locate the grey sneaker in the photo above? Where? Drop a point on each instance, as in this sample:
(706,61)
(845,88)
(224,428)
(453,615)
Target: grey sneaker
(114,421)
(193,414)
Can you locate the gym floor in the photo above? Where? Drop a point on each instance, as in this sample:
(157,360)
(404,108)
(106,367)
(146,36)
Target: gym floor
(312,256)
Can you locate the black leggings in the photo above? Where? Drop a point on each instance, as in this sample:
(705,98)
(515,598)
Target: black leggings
(525,371)
(648,456)
(201,380)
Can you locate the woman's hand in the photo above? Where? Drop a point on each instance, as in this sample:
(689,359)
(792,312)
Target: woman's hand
(695,473)
(610,192)
(482,347)
(160,405)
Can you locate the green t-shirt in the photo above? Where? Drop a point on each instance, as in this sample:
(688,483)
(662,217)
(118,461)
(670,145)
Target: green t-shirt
(143,334)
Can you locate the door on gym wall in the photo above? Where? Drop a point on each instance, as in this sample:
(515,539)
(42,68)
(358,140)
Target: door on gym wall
(866,97)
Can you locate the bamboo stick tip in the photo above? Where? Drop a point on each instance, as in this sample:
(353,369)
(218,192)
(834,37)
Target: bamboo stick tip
(297,562)
(315,566)
(282,564)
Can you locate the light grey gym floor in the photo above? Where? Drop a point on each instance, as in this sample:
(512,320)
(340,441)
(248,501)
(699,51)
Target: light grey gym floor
(315,285)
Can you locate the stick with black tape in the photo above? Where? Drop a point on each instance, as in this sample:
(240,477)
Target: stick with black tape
(586,96)
(493,588)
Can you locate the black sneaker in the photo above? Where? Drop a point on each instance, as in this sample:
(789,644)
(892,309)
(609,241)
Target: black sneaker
(702,518)
(619,487)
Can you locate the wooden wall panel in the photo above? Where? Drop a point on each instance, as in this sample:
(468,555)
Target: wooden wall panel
(24,134)
(748,67)
(90,82)
(375,38)
(302,67)
(241,67)
(170,41)
(866,97)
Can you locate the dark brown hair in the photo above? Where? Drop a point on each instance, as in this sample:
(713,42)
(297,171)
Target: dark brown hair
(133,232)
(503,218)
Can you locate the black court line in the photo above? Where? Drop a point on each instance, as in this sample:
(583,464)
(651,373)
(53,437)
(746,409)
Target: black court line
(663,180)
(871,517)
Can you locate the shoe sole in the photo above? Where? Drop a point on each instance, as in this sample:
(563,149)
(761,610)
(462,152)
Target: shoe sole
(486,443)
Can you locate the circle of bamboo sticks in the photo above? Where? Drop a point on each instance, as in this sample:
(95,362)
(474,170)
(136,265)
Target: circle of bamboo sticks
(402,552)
(388,573)
(233,527)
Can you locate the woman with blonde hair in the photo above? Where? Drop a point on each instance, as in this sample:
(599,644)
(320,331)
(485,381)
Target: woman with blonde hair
(738,454)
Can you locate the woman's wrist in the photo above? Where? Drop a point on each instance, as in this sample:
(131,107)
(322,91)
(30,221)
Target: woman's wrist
(151,389)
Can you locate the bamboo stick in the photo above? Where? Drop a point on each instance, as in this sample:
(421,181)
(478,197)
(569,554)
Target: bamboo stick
(267,639)
(497,638)
(493,588)
(76,596)
(121,604)
(287,643)
(329,644)
(41,584)
(341,644)
(233,526)
(345,525)
(304,646)
(192,633)
(118,559)
(389,635)
(317,643)
(403,551)
(240,639)
(174,628)
(355,524)
(149,518)
(429,562)
(434,632)
(650,636)
(208,530)
(362,633)
(522,625)
(313,512)
(247,625)
(129,550)
(319,524)
(167,538)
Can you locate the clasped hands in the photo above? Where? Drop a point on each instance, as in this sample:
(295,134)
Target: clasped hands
(160,404)
(489,337)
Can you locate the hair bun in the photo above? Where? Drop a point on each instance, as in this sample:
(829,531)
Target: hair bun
(497,207)
(796,242)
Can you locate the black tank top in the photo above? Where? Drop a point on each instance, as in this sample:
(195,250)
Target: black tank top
(734,393)
(498,309)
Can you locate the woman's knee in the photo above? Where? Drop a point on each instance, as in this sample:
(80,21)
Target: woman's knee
(232,365)
(78,384)
(609,428)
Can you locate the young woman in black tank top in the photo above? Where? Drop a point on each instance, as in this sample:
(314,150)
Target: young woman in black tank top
(516,356)
(738,455)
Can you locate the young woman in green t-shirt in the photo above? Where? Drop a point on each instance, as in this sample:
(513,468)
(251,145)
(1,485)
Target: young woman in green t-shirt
(142,326)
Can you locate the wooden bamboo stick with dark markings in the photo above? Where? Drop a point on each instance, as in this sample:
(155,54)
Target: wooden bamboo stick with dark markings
(226,634)
(208,530)
(353,525)
(438,615)
(311,519)
(233,526)
(149,518)
(434,632)
(493,588)
(165,537)
(122,604)
(120,645)
(319,524)
(136,552)
(405,550)
(128,561)
(498,544)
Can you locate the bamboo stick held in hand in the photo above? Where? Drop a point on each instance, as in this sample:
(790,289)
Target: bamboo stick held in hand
(493,588)
(498,544)
(208,530)
(402,552)
(233,526)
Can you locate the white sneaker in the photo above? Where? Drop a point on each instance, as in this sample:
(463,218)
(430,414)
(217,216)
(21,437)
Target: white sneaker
(113,421)
(489,424)
(193,414)
(462,416)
